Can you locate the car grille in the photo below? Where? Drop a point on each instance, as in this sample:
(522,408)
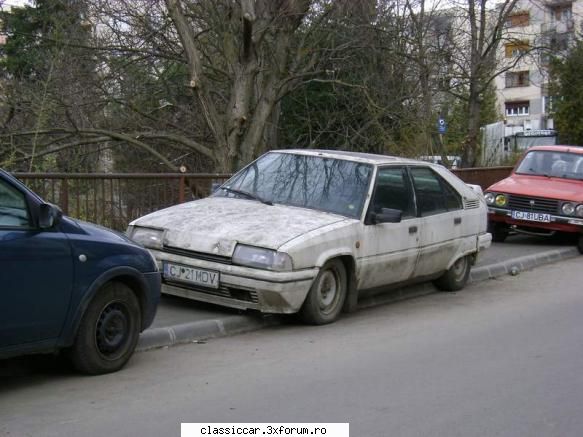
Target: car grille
(197,255)
(525,203)
(222,291)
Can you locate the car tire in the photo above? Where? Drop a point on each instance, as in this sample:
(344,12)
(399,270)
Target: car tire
(327,295)
(580,244)
(499,232)
(108,332)
(456,277)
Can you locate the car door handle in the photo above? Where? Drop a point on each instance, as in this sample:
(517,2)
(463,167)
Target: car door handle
(413,229)
(457,220)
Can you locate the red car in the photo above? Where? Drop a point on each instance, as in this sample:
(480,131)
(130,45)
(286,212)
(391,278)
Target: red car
(542,196)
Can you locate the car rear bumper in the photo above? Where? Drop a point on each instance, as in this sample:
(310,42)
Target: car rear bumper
(242,287)
(557,223)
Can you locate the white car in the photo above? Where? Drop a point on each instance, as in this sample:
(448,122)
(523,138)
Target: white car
(308,230)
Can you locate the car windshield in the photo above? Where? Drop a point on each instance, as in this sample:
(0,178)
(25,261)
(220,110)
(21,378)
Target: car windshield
(326,184)
(552,164)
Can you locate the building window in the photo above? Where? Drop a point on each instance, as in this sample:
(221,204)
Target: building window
(516,49)
(547,104)
(516,79)
(515,109)
(562,13)
(560,42)
(519,19)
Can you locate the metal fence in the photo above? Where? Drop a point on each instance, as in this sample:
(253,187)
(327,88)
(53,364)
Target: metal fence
(115,199)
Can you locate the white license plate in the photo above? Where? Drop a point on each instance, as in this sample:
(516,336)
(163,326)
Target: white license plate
(191,275)
(531,216)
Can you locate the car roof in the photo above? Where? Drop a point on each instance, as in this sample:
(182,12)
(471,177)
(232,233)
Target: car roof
(369,158)
(558,148)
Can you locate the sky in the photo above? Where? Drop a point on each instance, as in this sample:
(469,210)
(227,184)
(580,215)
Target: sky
(8,3)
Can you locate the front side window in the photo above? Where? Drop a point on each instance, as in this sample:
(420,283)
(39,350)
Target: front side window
(327,184)
(434,195)
(13,208)
(549,163)
(393,190)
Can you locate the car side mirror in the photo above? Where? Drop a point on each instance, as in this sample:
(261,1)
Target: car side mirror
(49,215)
(387,215)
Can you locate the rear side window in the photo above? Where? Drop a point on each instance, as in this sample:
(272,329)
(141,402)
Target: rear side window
(434,195)
(13,209)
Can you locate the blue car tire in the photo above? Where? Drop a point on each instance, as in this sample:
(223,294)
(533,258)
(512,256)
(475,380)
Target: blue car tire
(108,332)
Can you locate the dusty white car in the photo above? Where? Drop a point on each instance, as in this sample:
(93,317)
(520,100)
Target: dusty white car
(306,231)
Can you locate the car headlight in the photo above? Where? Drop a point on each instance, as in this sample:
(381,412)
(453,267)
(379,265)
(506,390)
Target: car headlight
(148,237)
(579,211)
(262,258)
(568,208)
(501,200)
(490,197)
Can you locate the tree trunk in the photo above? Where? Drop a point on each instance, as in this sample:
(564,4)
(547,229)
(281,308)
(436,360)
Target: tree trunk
(470,146)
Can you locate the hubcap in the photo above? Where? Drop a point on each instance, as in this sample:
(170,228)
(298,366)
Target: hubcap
(459,268)
(328,290)
(112,330)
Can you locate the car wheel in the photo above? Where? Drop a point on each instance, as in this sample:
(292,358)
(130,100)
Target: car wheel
(499,232)
(327,294)
(580,243)
(456,277)
(109,331)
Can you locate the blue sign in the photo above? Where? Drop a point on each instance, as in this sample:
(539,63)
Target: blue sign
(441,125)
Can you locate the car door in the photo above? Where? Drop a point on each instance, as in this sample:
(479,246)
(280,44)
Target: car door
(440,209)
(389,250)
(36,272)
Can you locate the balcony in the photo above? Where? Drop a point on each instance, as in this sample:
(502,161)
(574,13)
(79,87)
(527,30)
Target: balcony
(564,26)
(558,3)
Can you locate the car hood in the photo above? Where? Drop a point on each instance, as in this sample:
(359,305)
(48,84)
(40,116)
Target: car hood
(217,224)
(541,186)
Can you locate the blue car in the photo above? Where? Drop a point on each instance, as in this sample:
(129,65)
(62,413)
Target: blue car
(70,285)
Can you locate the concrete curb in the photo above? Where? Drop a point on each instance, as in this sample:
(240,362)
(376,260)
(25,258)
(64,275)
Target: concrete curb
(236,324)
(202,330)
(522,263)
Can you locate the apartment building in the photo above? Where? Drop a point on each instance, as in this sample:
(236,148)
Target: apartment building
(535,29)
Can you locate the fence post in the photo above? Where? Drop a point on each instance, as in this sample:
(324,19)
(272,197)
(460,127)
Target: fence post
(181,190)
(65,190)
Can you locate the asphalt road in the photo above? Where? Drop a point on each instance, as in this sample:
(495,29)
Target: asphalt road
(501,358)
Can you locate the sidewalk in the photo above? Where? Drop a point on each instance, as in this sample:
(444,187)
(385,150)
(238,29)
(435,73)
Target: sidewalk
(182,321)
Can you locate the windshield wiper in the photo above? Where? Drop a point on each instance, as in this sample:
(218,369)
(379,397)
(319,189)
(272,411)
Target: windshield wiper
(247,194)
(533,172)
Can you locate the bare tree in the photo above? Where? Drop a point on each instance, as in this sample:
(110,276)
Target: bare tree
(480,25)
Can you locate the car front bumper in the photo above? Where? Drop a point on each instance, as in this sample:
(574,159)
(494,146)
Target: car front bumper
(241,287)
(484,241)
(557,223)
(152,294)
